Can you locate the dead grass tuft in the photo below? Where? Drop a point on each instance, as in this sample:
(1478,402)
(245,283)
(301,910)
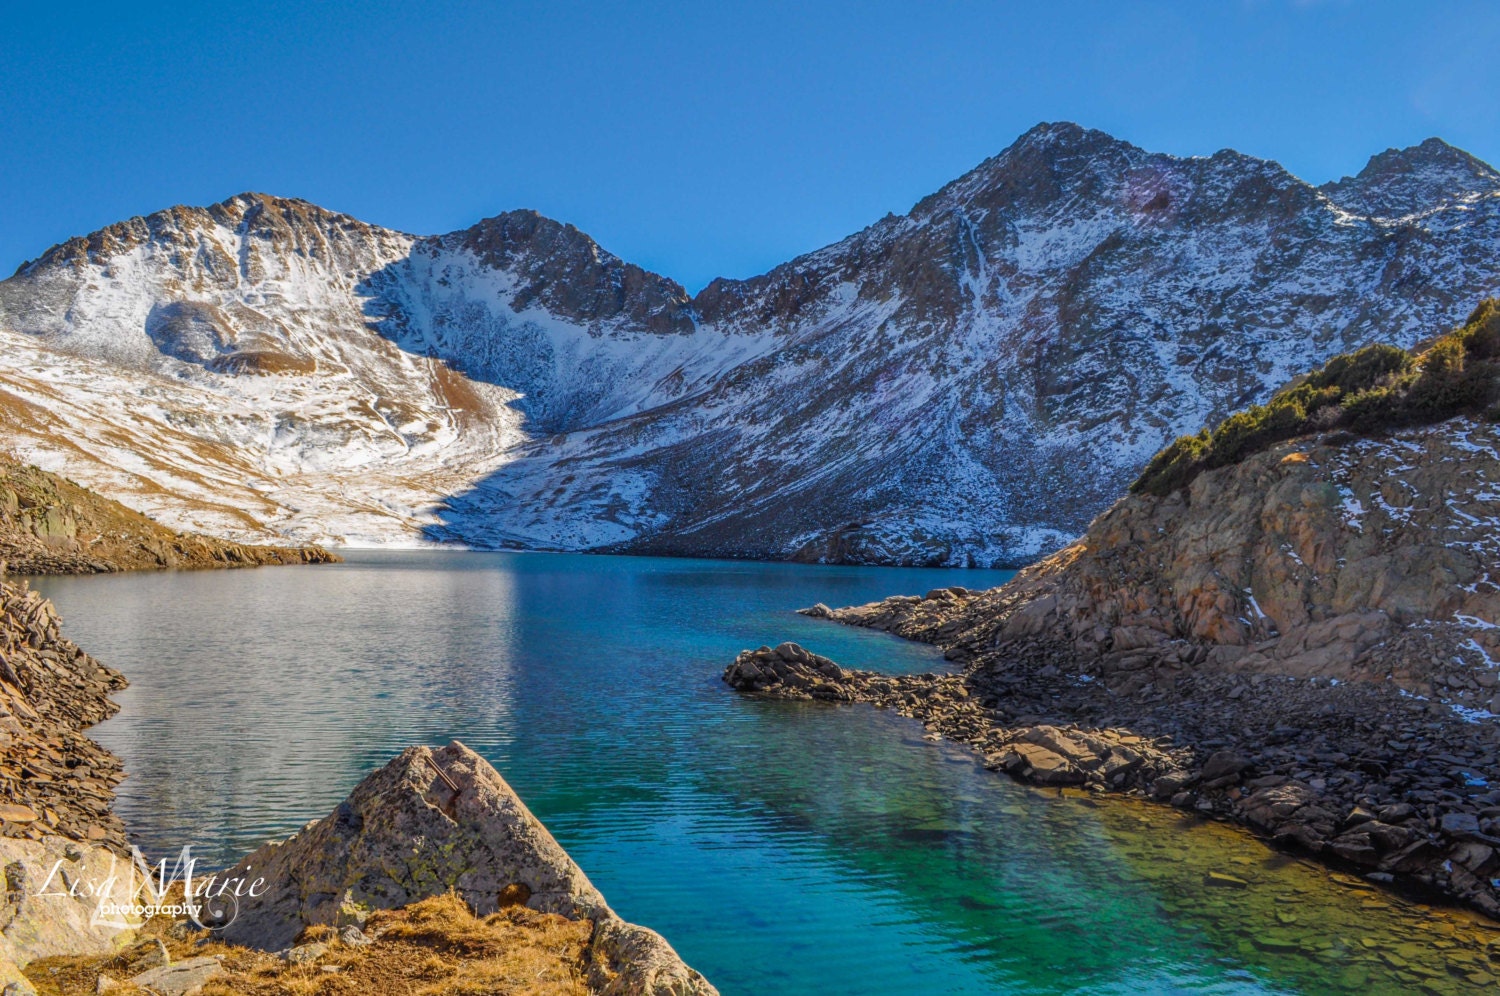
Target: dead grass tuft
(436,947)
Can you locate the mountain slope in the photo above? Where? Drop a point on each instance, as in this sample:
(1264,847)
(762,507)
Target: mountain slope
(970,382)
(49,525)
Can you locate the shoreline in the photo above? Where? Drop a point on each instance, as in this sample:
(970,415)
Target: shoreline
(445,859)
(1306,764)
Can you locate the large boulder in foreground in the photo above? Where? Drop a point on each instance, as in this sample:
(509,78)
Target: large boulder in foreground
(54,893)
(430,822)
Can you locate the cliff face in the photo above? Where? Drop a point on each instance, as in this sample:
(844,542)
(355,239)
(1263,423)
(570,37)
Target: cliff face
(969,382)
(1320,557)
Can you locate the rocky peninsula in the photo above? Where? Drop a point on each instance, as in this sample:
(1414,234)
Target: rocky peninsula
(1292,622)
(1302,643)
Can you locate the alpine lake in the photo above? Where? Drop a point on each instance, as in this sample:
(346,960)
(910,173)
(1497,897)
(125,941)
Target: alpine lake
(782,848)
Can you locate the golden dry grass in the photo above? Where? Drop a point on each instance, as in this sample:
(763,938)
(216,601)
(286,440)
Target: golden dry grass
(436,947)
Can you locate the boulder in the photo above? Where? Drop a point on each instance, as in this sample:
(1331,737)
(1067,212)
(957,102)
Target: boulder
(1269,808)
(39,918)
(1037,764)
(430,822)
(791,672)
(1223,764)
(183,978)
(304,954)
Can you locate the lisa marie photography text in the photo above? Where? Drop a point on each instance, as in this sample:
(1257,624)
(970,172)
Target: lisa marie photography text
(210,902)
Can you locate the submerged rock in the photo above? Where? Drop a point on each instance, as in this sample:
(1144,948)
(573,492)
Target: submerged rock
(431,822)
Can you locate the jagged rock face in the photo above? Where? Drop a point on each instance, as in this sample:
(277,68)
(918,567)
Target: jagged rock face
(430,822)
(1367,558)
(565,272)
(970,382)
(1398,180)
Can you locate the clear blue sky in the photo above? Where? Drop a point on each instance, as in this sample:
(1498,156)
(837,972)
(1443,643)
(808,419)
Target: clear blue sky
(696,139)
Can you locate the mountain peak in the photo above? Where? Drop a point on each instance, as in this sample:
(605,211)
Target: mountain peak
(571,274)
(1400,182)
(1035,168)
(1051,141)
(1052,132)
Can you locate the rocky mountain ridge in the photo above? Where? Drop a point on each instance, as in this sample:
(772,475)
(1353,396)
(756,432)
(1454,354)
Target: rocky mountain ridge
(968,383)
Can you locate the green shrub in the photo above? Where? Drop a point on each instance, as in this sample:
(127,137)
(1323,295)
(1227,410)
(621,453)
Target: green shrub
(1481,333)
(1170,469)
(1374,388)
(1361,369)
(1367,410)
(1448,381)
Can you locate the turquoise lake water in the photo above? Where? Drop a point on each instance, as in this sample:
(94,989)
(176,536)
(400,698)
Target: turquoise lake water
(781,848)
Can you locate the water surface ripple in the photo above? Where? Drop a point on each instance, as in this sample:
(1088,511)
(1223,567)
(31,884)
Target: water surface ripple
(782,848)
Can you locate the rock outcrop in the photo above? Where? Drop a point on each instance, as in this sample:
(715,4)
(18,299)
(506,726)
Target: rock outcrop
(1307,637)
(41,917)
(1332,557)
(431,822)
(790,672)
(968,382)
(49,525)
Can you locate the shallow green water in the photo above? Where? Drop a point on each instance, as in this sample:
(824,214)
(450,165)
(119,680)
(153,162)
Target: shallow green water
(782,848)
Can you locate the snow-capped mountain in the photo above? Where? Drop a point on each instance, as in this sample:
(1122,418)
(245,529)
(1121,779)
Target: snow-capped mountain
(969,382)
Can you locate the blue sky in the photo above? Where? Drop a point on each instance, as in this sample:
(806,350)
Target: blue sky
(695,139)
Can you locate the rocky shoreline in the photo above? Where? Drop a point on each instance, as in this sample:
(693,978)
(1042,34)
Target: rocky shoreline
(1364,777)
(1305,642)
(53,778)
